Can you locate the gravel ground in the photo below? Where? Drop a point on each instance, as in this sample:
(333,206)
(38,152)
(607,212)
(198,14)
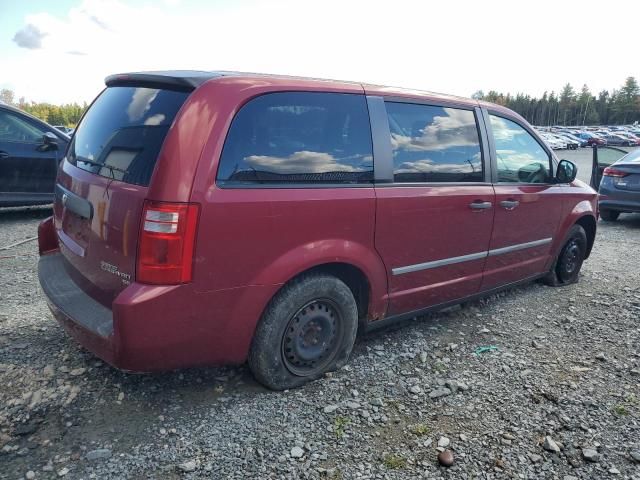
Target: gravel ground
(558,398)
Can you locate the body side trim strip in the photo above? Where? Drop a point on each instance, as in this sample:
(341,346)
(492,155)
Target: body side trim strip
(438,263)
(519,246)
(467,258)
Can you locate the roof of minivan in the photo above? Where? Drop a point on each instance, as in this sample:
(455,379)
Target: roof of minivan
(192,79)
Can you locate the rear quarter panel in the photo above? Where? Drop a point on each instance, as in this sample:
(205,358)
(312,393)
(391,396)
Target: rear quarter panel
(251,241)
(246,232)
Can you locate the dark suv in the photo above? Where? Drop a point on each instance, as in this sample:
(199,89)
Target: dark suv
(30,151)
(206,218)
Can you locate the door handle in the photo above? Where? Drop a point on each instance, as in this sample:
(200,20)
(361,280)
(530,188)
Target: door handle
(4,155)
(480,205)
(509,204)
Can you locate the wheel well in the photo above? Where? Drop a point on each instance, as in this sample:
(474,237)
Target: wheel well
(353,277)
(589,224)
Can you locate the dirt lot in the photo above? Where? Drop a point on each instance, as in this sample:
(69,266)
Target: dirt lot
(558,399)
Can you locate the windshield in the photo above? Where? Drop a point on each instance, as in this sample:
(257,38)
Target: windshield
(121,135)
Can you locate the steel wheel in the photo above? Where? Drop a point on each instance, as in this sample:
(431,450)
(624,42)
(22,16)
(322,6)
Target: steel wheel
(571,257)
(311,338)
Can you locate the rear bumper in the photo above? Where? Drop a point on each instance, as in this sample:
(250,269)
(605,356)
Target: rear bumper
(156,327)
(86,320)
(612,198)
(619,205)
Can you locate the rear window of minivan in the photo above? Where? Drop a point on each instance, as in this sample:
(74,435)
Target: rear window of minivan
(299,138)
(121,135)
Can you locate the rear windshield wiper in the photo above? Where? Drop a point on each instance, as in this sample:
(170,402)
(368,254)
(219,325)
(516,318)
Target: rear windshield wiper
(101,165)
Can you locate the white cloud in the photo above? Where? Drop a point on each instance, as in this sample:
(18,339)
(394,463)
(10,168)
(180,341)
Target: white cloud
(457,128)
(140,103)
(454,47)
(429,166)
(300,162)
(156,119)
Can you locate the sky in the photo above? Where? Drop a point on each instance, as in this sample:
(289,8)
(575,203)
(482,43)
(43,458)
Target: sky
(61,50)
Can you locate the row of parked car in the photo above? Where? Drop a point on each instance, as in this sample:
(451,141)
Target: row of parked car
(571,138)
(65,130)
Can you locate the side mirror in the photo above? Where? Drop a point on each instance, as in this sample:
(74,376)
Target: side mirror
(49,142)
(566,172)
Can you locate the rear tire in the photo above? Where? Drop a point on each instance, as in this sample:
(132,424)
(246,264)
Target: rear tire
(308,329)
(566,267)
(609,215)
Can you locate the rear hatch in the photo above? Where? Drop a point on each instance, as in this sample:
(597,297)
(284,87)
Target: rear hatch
(103,183)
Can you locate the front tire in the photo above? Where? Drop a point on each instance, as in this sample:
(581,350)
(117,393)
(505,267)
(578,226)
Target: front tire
(567,266)
(609,215)
(308,329)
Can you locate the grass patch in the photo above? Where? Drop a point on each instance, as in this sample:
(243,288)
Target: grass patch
(620,410)
(335,475)
(339,424)
(420,429)
(440,367)
(394,462)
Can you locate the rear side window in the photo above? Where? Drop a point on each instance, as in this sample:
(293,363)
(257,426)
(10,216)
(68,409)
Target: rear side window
(434,144)
(299,138)
(121,135)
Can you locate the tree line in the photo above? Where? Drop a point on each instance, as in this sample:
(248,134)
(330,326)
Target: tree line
(569,107)
(67,114)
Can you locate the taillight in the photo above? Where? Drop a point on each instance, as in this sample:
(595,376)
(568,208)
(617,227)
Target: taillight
(167,242)
(47,237)
(614,172)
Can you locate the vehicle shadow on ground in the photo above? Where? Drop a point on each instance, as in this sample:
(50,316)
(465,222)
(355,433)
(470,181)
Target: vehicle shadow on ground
(629,220)
(202,385)
(20,214)
(626,222)
(206,384)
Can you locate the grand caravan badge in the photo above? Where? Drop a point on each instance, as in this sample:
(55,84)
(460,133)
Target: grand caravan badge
(107,267)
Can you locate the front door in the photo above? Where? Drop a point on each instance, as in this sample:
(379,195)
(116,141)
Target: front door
(434,220)
(603,157)
(528,205)
(27,165)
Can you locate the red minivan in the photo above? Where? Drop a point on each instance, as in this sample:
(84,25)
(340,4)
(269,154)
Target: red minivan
(213,217)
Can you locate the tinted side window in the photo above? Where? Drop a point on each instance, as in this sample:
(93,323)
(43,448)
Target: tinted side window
(434,144)
(15,129)
(299,137)
(520,157)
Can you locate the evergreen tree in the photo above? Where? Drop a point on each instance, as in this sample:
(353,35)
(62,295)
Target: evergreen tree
(571,108)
